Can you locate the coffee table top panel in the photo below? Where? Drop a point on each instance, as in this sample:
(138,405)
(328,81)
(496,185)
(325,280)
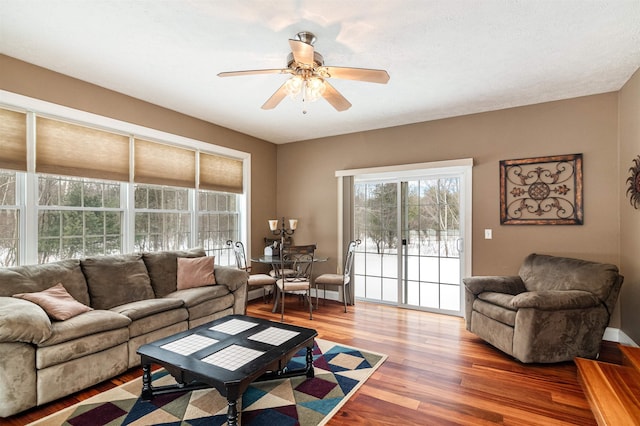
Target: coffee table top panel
(229,348)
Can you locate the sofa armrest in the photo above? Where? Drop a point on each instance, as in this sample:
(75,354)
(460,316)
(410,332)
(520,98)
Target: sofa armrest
(497,284)
(23,321)
(233,278)
(554,300)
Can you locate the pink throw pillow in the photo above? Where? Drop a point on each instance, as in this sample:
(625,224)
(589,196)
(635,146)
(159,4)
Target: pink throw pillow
(195,272)
(56,302)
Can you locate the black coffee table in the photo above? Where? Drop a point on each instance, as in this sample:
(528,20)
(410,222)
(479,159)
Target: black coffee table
(227,354)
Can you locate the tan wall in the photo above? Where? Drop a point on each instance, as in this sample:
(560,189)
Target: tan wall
(29,80)
(629,217)
(307,187)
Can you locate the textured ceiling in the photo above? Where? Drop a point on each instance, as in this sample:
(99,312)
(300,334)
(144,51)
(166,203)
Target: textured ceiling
(445,57)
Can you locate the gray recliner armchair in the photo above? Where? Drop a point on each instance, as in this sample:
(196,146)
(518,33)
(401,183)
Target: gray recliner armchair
(554,310)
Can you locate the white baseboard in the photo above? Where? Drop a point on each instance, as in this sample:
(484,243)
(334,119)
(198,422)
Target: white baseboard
(617,335)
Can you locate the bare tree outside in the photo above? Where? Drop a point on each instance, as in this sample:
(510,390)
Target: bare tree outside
(375,220)
(9,241)
(162,218)
(425,217)
(218,222)
(74,220)
(432,211)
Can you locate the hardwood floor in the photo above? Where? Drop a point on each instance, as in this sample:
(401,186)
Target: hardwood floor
(436,373)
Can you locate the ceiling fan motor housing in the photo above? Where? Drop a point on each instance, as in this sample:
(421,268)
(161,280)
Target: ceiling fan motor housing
(306,37)
(318,61)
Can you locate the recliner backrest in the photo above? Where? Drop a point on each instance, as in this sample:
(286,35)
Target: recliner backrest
(543,272)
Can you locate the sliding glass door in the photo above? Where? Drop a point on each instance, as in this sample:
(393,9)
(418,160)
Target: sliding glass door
(412,233)
(432,243)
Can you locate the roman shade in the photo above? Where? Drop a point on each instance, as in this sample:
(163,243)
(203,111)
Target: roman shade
(13,140)
(160,164)
(219,173)
(69,149)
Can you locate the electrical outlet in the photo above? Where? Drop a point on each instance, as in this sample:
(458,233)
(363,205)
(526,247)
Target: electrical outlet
(488,234)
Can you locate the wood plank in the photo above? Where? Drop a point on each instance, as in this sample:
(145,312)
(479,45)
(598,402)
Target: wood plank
(436,373)
(613,391)
(630,356)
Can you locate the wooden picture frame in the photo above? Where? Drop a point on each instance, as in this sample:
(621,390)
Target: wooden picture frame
(541,191)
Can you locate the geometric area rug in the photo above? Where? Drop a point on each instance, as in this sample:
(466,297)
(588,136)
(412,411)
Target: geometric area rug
(339,371)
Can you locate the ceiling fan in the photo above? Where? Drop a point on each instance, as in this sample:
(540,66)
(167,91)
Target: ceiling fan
(309,75)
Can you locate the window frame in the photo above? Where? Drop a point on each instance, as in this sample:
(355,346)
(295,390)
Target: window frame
(18,208)
(27,182)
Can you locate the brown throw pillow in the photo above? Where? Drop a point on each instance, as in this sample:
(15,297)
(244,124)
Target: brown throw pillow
(56,302)
(195,272)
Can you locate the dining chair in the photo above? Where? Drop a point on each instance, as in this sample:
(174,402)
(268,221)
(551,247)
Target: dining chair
(299,260)
(255,280)
(278,245)
(341,280)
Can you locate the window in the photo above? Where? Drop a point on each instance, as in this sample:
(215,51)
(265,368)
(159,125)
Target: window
(218,222)
(9,219)
(163,218)
(78,217)
(70,190)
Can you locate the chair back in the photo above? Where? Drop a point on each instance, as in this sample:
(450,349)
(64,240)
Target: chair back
(299,260)
(238,252)
(348,261)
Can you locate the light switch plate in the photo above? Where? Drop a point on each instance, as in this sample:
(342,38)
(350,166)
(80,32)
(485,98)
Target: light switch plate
(488,234)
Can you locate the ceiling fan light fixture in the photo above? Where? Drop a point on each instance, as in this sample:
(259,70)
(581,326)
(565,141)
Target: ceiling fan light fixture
(314,87)
(293,86)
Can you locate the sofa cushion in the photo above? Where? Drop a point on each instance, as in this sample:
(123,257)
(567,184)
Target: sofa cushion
(23,321)
(145,308)
(495,312)
(210,307)
(85,325)
(194,296)
(543,272)
(32,278)
(163,268)
(78,348)
(195,272)
(501,299)
(56,302)
(158,321)
(116,280)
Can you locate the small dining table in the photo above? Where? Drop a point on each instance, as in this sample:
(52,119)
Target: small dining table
(275,260)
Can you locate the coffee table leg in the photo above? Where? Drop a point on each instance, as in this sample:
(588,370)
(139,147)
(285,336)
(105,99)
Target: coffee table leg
(147,390)
(232,413)
(309,368)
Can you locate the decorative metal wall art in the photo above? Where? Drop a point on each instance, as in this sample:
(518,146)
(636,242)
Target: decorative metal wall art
(541,191)
(633,191)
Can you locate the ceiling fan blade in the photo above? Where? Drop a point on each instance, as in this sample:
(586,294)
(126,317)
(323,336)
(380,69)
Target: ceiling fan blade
(276,98)
(254,72)
(334,97)
(302,52)
(361,74)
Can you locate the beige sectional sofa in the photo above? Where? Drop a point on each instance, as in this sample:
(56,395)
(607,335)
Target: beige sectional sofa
(135,300)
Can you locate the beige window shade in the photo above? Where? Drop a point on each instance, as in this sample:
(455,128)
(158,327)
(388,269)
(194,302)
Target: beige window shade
(220,173)
(72,150)
(164,165)
(13,140)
